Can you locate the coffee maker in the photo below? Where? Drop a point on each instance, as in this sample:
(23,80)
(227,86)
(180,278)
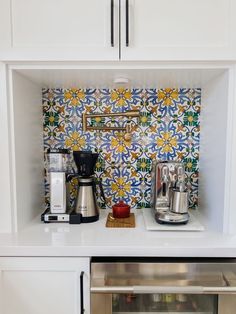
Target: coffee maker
(86,202)
(58,169)
(169,193)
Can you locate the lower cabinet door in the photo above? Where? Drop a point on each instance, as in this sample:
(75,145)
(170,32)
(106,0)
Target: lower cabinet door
(41,285)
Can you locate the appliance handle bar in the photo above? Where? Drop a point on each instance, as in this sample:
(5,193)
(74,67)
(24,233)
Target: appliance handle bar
(112,23)
(168,289)
(112,289)
(164,289)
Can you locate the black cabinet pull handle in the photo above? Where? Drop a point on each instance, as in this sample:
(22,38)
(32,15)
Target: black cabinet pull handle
(82,292)
(112,23)
(127,22)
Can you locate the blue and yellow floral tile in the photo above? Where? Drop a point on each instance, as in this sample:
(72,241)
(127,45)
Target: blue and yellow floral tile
(169,129)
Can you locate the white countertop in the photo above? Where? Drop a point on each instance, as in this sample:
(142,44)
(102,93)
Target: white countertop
(94,239)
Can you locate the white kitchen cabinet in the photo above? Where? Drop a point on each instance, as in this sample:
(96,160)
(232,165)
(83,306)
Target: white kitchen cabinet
(178,29)
(42,285)
(155,30)
(58,30)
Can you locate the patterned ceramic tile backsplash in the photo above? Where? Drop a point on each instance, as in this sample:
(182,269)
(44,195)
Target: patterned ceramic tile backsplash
(169,129)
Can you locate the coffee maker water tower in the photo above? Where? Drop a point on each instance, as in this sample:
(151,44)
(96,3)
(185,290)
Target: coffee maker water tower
(58,162)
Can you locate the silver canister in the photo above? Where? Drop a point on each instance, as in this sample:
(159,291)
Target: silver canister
(179,201)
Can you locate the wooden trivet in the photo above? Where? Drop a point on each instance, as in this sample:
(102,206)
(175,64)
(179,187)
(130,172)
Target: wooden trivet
(120,222)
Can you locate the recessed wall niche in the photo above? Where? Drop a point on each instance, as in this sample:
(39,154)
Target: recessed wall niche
(215,183)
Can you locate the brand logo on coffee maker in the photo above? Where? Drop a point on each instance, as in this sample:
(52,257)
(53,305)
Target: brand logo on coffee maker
(83,207)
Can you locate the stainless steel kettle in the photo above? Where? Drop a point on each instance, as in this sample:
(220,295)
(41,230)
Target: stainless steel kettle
(86,201)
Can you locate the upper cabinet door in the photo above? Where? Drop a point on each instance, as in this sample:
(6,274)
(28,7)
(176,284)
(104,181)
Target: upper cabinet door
(59,29)
(178,29)
(109,30)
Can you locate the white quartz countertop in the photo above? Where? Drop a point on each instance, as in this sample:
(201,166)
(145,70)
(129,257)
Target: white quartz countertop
(94,239)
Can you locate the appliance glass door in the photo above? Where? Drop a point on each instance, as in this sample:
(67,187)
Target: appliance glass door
(203,288)
(164,303)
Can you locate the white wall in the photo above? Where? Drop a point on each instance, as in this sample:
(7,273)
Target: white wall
(5,188)
(27,131)
(213,150)
(230,186)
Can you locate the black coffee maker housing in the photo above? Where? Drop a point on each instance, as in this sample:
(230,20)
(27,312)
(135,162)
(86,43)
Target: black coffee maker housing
(85,162)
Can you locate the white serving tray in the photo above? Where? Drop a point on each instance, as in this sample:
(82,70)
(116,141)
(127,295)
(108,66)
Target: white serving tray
(193,224)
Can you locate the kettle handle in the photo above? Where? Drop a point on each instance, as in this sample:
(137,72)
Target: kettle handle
(101,190)
(70,176)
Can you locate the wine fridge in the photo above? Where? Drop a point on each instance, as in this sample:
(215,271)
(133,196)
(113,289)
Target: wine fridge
(161,286)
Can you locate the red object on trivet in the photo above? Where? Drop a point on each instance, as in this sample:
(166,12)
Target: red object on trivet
(121,210)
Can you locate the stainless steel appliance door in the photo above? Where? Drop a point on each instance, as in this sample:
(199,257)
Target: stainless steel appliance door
(199,283)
